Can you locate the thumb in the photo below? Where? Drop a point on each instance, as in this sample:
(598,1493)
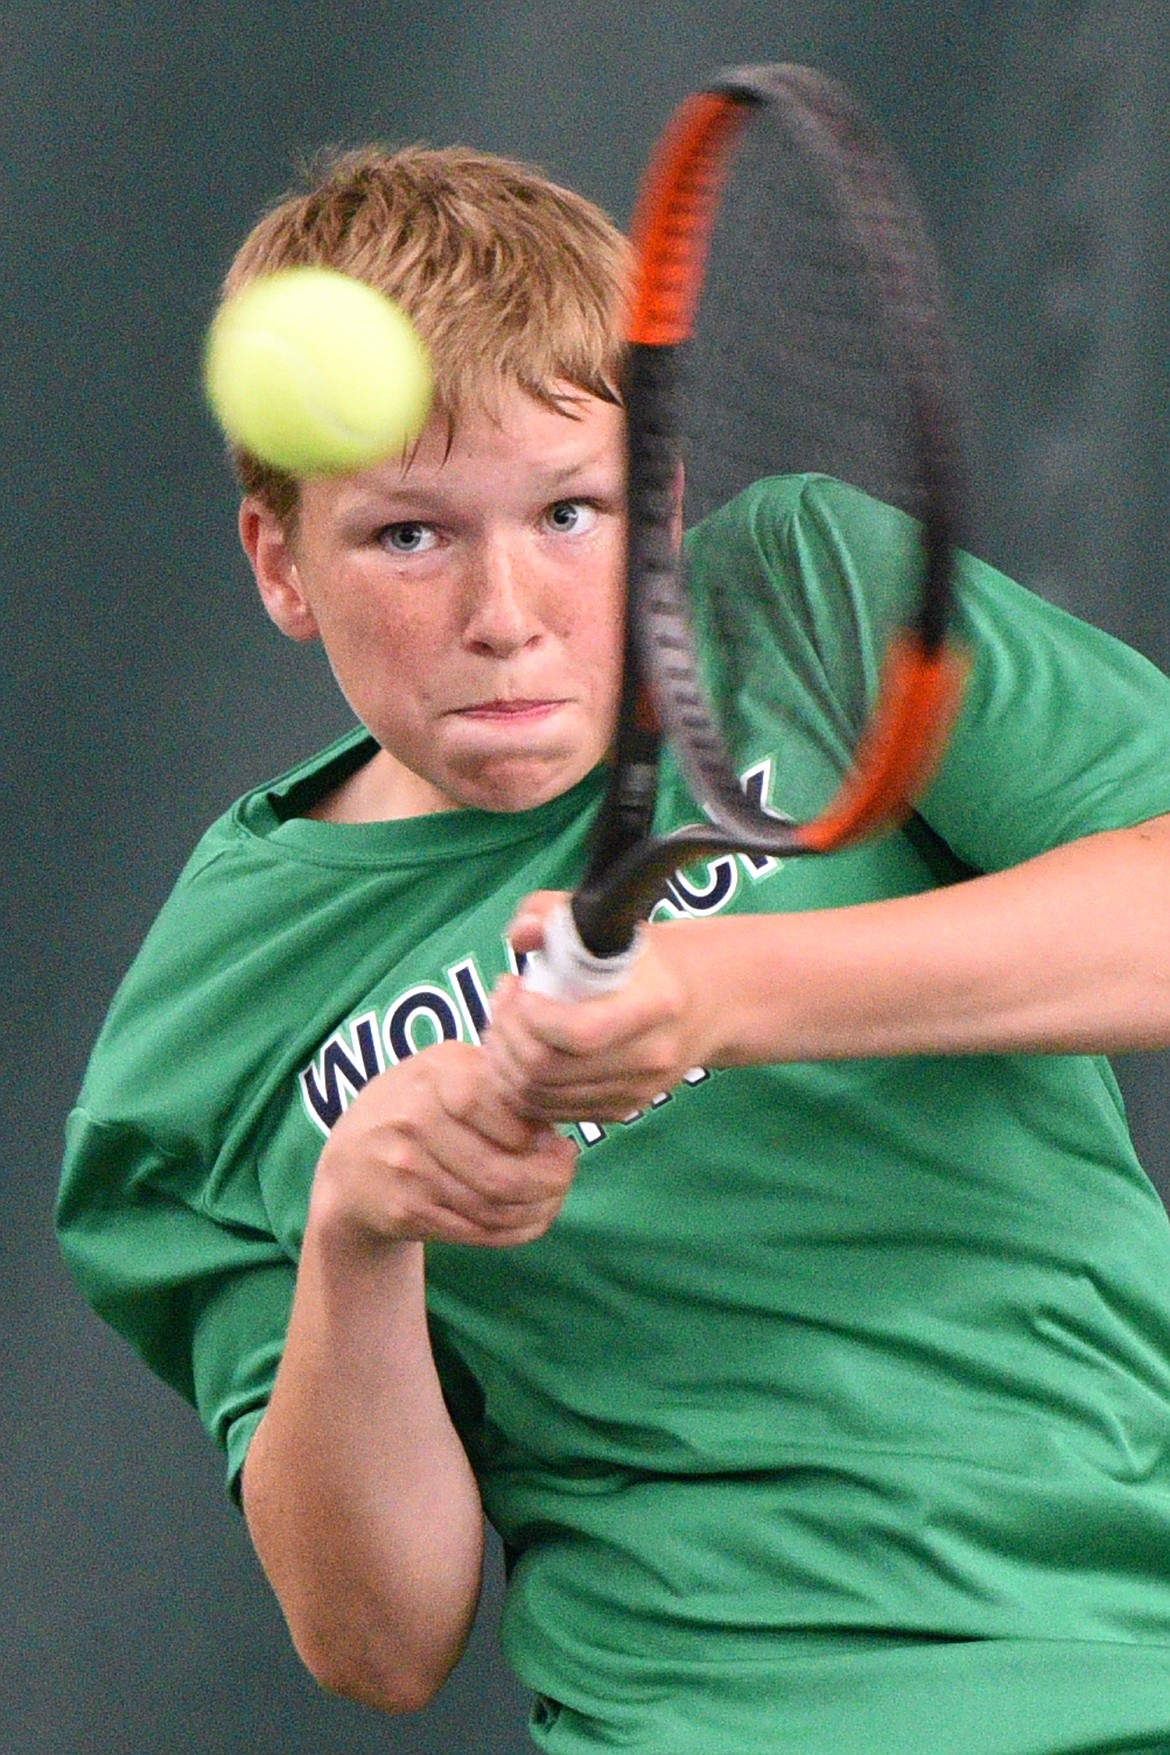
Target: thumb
(526,930)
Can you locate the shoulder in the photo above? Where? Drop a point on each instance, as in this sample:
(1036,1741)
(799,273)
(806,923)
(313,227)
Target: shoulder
(193,1009)
(818,540)
(777,508)
(808,567)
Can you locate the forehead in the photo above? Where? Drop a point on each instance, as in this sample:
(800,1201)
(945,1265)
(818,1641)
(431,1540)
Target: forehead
(515,446)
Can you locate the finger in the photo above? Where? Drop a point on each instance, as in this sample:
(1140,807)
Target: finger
(585,1028)
(562,1089)
(539,1042)
(582,1092)
(445,1108)
(429,1196)
(476,1097)
(529,1066)
(450,1222)
(596,1103)
(511,1063)
(526,928)
(469,1174)
(534,1225)
(520,1063)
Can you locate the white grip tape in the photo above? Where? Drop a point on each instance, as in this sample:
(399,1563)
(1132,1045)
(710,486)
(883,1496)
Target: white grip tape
(564,969)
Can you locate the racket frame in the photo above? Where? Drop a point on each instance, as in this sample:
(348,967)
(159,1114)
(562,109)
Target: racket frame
(662,692)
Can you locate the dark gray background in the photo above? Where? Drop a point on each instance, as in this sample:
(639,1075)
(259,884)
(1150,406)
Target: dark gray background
(143,688)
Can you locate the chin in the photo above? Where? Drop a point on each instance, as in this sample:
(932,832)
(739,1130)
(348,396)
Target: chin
(516,788)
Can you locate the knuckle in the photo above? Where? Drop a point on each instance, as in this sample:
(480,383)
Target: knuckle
(494,1186)
(588,1034)
(560,1167)
(660,1060)
(459,1100)
(672,1001)
(531,1056)
(535,1225)
(404,1133)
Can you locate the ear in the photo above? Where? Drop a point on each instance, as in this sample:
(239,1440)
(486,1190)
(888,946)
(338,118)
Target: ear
(269,548)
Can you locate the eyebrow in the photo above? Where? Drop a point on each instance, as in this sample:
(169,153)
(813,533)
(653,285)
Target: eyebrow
(583,466)
(423,498)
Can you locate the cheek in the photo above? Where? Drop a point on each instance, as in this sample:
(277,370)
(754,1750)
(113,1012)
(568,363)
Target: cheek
(610,634)
(608,651)
(382,660)
(380,632)
(602,620)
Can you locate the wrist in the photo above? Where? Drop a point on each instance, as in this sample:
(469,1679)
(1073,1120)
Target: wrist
(688,951)
(343,1226)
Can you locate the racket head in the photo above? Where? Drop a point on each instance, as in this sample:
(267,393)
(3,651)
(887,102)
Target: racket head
(786,318)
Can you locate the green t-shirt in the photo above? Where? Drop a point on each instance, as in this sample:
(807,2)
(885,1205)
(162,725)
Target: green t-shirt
(833,1412)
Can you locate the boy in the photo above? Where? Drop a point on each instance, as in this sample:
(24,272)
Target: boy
(825,1404)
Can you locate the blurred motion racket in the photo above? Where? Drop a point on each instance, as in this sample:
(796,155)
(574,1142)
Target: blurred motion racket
(786,292)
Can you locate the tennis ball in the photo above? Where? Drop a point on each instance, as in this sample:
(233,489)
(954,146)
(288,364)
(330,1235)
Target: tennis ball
(316,373)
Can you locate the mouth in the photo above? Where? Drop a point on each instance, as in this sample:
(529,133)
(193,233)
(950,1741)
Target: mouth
(507,712)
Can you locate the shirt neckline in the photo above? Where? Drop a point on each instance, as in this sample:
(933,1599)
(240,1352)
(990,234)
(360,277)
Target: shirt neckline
(272,814)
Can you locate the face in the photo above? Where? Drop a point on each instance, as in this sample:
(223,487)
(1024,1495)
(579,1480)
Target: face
(469,601)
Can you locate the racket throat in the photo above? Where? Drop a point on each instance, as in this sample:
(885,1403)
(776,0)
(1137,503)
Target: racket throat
(628,810)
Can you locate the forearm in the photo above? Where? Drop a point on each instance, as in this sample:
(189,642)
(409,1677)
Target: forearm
(359,1496)
(1069,952)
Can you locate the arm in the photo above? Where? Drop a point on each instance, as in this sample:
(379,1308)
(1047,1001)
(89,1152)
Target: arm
(1066,953)
(359,1497)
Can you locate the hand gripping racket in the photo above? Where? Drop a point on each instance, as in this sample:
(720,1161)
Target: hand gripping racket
(826,299)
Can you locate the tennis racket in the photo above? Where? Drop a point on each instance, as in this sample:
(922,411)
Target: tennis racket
(775,234)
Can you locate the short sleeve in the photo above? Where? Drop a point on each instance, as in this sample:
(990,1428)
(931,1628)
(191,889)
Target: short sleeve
(203,1297)
(1064,730)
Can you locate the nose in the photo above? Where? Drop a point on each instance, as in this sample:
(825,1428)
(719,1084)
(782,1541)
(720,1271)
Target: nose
(502,610)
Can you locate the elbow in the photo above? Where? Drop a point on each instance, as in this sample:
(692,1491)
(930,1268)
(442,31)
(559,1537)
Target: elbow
(369,1678)
(381,1617)
(372,1662)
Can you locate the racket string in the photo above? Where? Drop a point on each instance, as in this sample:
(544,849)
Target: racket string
(817,348)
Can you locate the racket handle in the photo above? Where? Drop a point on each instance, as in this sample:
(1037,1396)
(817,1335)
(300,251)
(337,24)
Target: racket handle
(565,969)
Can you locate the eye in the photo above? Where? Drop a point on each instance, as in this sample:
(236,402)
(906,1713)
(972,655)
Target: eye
(571,517)
(407,538)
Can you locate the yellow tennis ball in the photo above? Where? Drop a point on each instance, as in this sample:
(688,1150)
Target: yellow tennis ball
(316,373)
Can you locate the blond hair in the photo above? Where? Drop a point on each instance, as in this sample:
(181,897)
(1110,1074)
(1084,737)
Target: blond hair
(511,280)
